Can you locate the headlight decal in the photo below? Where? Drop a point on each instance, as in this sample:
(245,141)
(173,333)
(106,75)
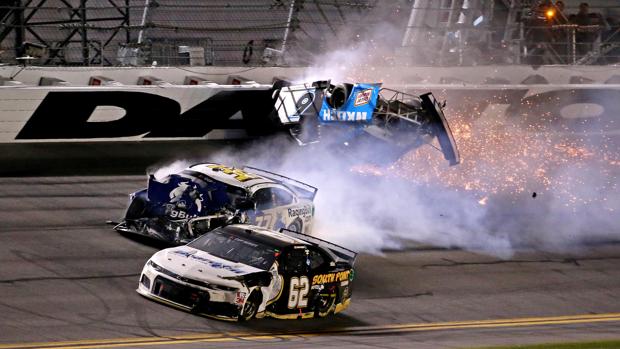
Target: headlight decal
(155,266)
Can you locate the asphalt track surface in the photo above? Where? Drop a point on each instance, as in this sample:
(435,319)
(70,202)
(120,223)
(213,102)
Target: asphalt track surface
(99,158)
(68,281)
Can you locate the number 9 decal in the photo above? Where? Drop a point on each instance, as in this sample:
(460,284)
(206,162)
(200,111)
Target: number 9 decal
(298,292)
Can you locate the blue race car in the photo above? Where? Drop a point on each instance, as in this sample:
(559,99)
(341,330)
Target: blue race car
(182,206)
(379,123)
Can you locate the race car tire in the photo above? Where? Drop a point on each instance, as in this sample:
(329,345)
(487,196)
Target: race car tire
(296,226)
(247,52)
(251,307)
(339,95)
(325,304)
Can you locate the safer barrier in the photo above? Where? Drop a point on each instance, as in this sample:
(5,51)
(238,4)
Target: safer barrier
(216,112)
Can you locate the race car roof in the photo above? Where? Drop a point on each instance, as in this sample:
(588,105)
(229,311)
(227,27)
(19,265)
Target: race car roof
(266,236)
(230,175)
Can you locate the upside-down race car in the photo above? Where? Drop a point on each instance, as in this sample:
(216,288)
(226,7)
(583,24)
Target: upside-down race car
(240,271)
(382,124)
(185,205)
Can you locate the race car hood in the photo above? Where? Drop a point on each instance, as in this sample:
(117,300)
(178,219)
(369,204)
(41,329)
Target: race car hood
(199,265)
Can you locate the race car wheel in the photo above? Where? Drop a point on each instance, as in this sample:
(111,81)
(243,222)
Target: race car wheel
(250,308)
(296,226)
(325,303)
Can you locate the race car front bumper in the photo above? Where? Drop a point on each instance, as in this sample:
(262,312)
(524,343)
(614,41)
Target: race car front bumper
(194,296)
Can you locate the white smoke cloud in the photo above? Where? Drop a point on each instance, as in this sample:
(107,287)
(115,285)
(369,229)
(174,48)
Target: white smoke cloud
(162,171)
(371,213)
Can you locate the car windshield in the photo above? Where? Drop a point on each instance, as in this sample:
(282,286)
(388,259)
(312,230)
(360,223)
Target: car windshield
(237,249)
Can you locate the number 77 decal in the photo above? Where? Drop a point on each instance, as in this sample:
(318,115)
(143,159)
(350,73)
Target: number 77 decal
(264,221)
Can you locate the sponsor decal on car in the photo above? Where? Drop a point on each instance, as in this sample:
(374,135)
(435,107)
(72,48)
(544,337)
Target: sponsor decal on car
(341,115)
(331,277)
(238,174)
(363,97)
(296,212)
(240,297)
(209,262)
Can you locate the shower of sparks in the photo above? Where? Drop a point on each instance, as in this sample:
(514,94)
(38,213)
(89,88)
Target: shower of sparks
(499,158)
(483,201)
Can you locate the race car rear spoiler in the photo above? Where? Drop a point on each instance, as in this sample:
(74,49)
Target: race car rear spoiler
(302,189)
(341,252)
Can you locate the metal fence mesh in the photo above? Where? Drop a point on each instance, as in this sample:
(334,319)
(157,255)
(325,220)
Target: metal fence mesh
(113,32)
(298,32)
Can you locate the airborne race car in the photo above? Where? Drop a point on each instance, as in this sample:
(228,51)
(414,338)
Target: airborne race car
(379,123)
(185,205)
(241,271)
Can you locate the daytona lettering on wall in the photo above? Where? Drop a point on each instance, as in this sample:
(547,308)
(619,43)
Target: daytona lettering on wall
(64,115)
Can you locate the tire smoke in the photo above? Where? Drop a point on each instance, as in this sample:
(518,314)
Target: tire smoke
(486,204)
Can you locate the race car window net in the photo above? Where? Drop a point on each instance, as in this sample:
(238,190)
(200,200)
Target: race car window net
(236,249)
(302,189)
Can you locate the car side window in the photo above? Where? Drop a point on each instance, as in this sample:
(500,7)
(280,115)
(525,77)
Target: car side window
(264,199)
(282,197)
(296,261)
(267,198)
(317,260)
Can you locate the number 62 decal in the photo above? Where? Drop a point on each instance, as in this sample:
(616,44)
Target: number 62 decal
(298,293)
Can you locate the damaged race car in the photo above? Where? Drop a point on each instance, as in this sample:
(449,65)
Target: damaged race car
(182,206)
(380,123)
(240,271)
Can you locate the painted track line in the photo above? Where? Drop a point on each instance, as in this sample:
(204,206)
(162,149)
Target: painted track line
(361,330)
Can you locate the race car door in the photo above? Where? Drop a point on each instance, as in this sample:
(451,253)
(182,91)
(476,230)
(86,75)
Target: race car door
(299,266)
(296,286)
(277,208)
